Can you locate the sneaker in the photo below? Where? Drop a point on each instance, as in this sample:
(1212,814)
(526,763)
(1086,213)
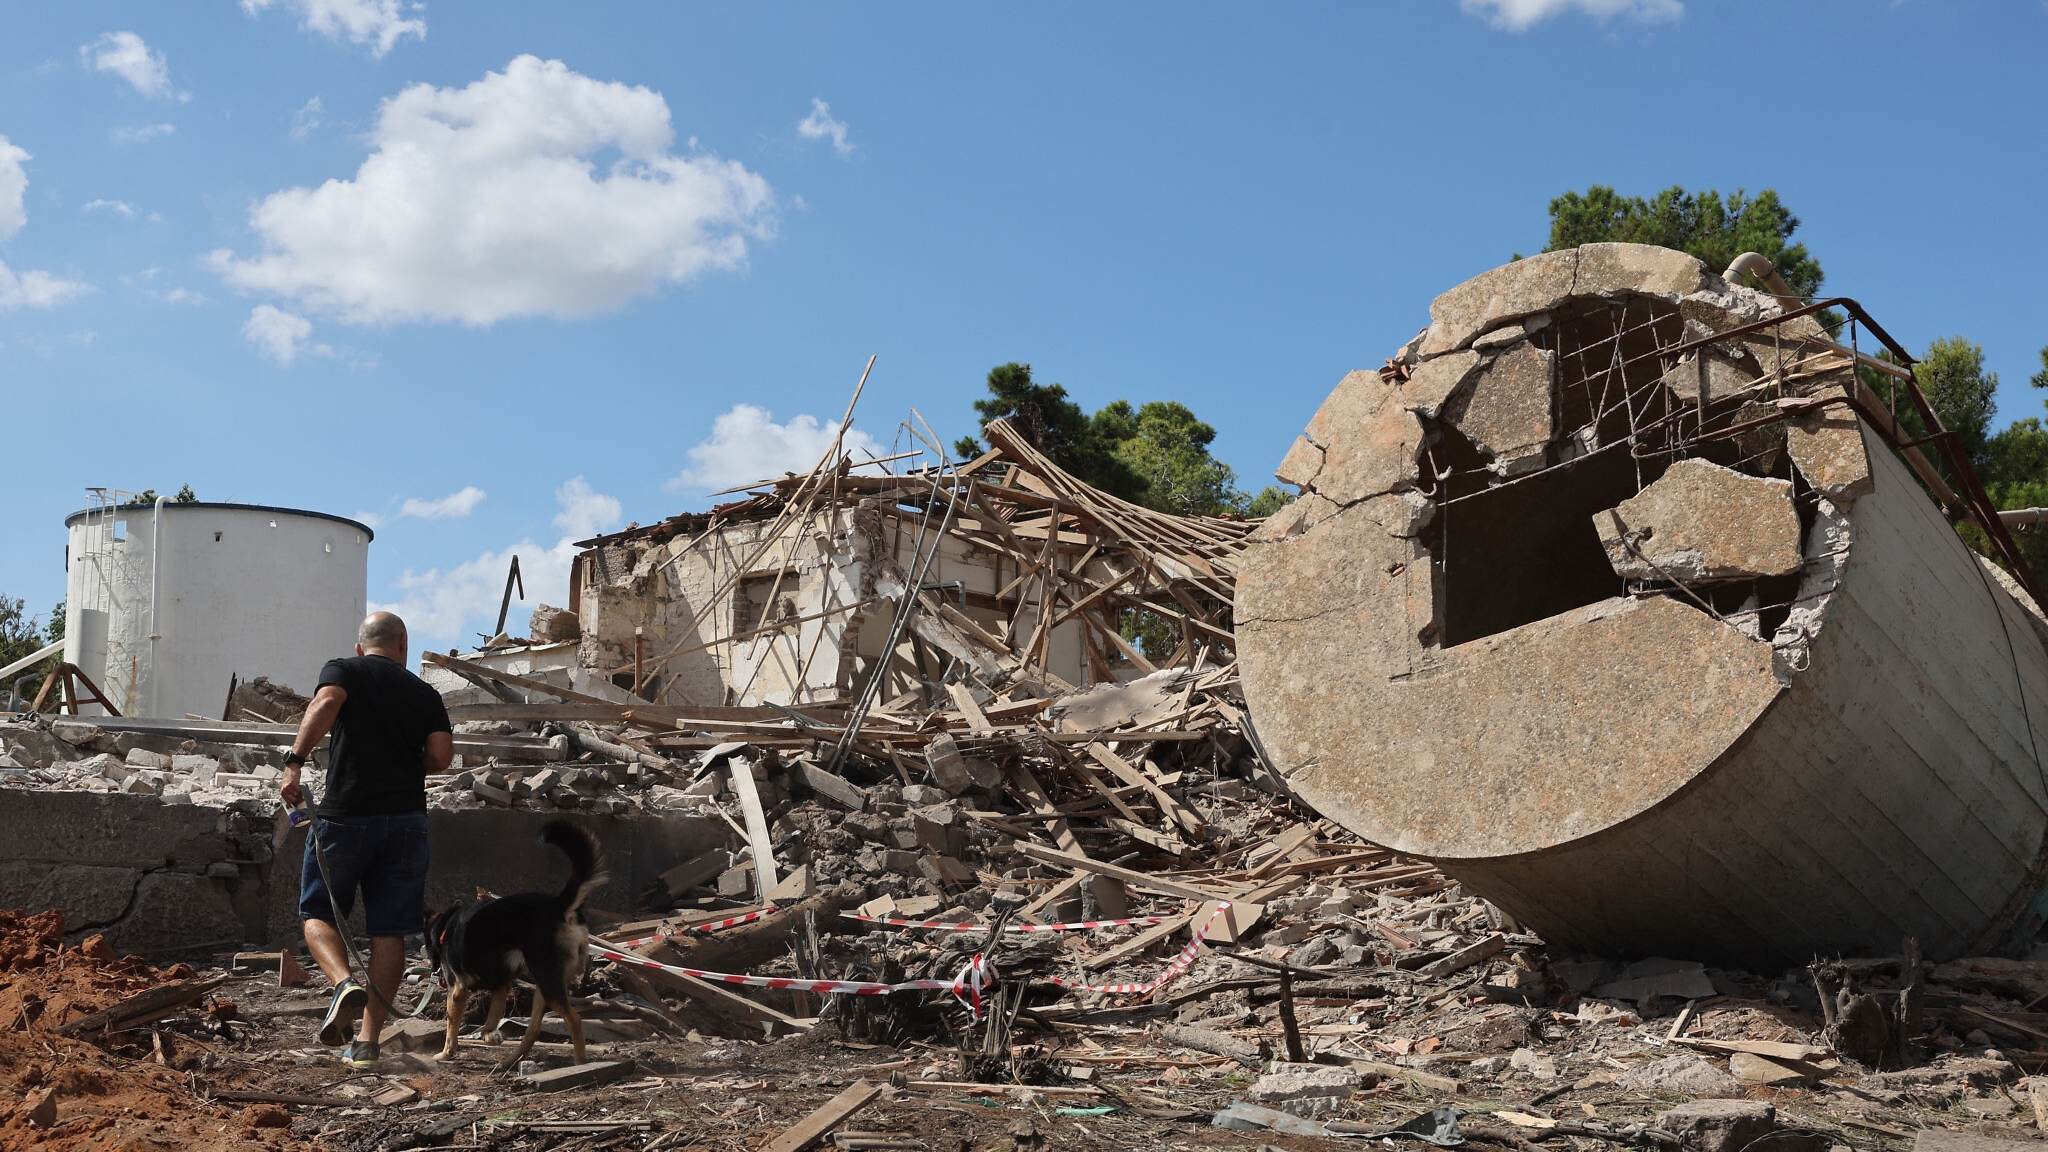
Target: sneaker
(360,1054)
(349,1000)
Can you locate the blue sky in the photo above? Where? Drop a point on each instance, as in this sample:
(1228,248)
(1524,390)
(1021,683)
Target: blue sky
(501,275)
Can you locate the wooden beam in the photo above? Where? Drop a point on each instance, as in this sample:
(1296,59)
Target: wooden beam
(1160,796)
(1144,880)
(1136,945)
(808,1130)
(456,664)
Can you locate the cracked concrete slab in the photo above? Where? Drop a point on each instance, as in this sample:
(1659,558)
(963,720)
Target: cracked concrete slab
(1700,521)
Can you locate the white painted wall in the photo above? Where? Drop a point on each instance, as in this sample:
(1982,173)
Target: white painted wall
(243,591)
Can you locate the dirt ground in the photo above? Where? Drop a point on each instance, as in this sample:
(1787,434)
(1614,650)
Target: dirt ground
(1520,1073)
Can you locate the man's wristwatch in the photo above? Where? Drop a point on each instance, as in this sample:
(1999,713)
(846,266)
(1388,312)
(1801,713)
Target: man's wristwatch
(294,760)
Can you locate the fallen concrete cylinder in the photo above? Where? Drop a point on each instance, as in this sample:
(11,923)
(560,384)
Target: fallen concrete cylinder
(1574,616)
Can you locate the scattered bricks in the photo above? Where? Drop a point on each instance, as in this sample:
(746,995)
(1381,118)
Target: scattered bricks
(144,758)
(706,787)
(918,795)
(898,861)
(1287,935)
(1304,1089)
(946,871)
(735,882)
(107,766)
(200,768)
(1720,1125)
(395,1094)
(490,794)
(868,826)
(543,780)
(138,785)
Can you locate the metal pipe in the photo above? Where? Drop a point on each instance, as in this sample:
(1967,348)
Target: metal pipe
(156,544)
(1759,265)
(2023,515)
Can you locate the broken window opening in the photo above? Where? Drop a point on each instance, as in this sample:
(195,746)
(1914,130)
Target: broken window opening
(1515,553)
(750,607)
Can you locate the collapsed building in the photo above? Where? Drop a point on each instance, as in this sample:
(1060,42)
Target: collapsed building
(794,595)
(1621,597)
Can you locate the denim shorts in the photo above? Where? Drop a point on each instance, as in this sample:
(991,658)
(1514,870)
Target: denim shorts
(384,856)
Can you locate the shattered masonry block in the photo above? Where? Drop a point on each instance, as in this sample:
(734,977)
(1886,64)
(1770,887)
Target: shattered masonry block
(1714,372)
(1827,448)
(144,758)
(1509,409)
(1508,292)
(1304,1089)
(1701,521)
(1719,1125)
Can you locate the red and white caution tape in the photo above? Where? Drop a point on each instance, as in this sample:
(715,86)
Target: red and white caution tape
(967,986)
(1173,971)
(694,929)
(975,926)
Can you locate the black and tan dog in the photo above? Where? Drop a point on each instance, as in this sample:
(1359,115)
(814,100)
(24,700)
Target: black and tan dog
(534,935)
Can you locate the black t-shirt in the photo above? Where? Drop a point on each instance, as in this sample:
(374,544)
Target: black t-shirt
(374,767)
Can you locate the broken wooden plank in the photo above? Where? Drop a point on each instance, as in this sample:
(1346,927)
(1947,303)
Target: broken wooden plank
(963,699)
(1136,945)
(1220,1043)
(741,770)
(144,1007)
(1144,880)
(829,1116)
(578,1075)
(1485,949)
(1287,842)
(1167,804)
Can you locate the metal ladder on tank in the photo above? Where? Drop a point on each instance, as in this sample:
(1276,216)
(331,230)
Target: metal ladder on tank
(97,589)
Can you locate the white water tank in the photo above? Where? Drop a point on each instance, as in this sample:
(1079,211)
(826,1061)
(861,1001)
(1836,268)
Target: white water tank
(166,603)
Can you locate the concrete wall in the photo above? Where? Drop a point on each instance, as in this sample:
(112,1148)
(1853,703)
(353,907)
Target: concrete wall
(168,880)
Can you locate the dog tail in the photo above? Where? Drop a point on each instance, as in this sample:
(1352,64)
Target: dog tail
(586,861)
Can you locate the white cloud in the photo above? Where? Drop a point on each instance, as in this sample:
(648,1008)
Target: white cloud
(281,335)
(125,55)
(142,133)
(13,187)
(25,289)
(376,23)
(585,511)
(747,445)
(121,206)
(183,296)
(488,202)
(456,504)
(1517,15)
(306,119)
(820,125)
(450,605)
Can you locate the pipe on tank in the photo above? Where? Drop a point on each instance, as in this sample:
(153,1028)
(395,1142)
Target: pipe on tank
(1760,266)
(156,545)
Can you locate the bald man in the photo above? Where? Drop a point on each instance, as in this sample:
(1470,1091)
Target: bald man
(390,730)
